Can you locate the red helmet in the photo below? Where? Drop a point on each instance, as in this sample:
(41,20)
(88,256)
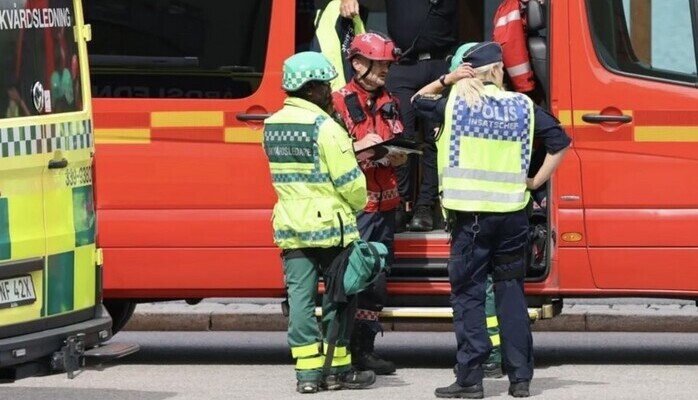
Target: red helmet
(374,47)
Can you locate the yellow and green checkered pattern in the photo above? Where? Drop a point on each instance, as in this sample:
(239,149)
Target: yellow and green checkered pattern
(46,215)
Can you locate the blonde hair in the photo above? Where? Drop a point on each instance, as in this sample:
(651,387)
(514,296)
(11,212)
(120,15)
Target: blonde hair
(472,90)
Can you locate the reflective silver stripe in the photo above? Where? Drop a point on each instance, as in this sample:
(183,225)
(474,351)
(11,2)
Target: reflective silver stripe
(481,195)
(520,69)
(512,16)
(482,175)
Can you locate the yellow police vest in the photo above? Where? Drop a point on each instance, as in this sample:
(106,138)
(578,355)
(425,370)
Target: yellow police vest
(484,152)
(330,42)
(314,172)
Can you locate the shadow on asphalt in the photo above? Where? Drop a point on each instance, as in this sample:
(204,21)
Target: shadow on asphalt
(410,350)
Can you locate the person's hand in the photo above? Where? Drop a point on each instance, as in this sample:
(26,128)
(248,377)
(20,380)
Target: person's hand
(530,184)
(349,8)
(463,71)
(367,141)
(397,159)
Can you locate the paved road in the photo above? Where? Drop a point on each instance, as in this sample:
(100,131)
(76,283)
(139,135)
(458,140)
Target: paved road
(257,365)
(595,315)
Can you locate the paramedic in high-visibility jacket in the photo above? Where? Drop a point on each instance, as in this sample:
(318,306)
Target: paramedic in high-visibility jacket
(484,154)
(319,187)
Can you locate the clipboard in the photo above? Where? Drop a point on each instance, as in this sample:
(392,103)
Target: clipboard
(382,149)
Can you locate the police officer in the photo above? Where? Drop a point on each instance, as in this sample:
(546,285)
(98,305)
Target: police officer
(426,31)
(484,157)
(319,188)
(365,107)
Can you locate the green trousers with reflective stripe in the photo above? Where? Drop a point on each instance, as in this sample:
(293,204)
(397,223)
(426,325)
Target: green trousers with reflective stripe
(492,323)
(304,335)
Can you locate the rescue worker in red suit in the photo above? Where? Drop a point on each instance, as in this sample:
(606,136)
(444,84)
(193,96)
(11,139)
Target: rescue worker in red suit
(366,108)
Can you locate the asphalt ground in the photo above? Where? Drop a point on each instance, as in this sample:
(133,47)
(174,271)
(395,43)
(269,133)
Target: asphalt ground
(592,315)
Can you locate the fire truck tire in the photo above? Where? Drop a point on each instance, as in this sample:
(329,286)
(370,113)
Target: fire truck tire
(120,312)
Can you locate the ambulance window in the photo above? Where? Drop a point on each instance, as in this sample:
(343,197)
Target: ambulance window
(648,38)
(39,58)
(177,48)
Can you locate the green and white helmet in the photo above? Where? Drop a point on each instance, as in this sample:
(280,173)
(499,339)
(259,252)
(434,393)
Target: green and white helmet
(304,67)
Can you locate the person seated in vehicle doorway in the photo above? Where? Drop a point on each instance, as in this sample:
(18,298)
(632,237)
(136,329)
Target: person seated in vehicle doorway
(365,108)
(319,187)
(426,31)
(484,157)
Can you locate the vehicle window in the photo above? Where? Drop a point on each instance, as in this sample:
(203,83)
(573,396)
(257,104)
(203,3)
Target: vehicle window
(653,39)
(177,48)
(39,60)
(306,11)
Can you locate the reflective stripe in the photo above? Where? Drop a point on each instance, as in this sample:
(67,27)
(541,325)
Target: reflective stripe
(492,322)
(520,69)
(495,340)
(348,177)
(479,174)
(339,351)
(297,177)
(481,195)
(385,195)
(512,16)
(341,361)
(305,351)
(314,236)
(310,363)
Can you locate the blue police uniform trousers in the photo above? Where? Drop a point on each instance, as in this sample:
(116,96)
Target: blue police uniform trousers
(495,243)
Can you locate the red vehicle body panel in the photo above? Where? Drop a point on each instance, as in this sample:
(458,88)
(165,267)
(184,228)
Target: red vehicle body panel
(184,195)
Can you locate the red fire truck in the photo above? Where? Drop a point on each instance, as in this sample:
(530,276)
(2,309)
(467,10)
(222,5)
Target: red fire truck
(183,190)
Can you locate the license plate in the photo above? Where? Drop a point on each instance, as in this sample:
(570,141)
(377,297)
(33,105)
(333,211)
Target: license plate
(18,291)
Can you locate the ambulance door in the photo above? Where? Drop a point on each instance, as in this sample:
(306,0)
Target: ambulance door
(635,124)
(22,234)
(68,205)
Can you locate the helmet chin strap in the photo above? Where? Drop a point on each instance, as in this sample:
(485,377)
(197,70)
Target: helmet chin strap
(361,79)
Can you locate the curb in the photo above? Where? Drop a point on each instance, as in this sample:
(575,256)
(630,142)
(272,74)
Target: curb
(268,317)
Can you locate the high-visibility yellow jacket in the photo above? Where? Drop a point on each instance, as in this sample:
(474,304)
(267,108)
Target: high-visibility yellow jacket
(315,175)
(484,152)
(333,35)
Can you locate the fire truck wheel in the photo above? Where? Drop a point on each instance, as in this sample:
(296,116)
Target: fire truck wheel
(120,312)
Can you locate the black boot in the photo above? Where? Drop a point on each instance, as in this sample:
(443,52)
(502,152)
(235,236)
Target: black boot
(456,391)
(363,358)
(350,380)
(519,389)
(422,221)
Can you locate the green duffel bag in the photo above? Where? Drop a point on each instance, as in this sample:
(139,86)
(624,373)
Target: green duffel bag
(357,267)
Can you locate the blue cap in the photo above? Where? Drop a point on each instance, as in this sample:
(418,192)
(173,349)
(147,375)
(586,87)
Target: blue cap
(483,53)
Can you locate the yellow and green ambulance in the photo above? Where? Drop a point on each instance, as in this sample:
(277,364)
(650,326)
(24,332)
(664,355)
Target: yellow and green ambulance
(51,316)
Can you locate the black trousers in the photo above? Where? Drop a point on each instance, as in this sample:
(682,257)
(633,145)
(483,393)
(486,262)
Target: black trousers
(497,247)
(404,80)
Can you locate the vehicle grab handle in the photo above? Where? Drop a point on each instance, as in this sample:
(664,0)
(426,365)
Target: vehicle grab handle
(57,164)
(600,118)
(252,117)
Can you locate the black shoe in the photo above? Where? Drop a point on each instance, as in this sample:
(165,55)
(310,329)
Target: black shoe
(519,389)
(456,391)
(372,361)
(307,387)
(422,221)
(350,380)
(492,370)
